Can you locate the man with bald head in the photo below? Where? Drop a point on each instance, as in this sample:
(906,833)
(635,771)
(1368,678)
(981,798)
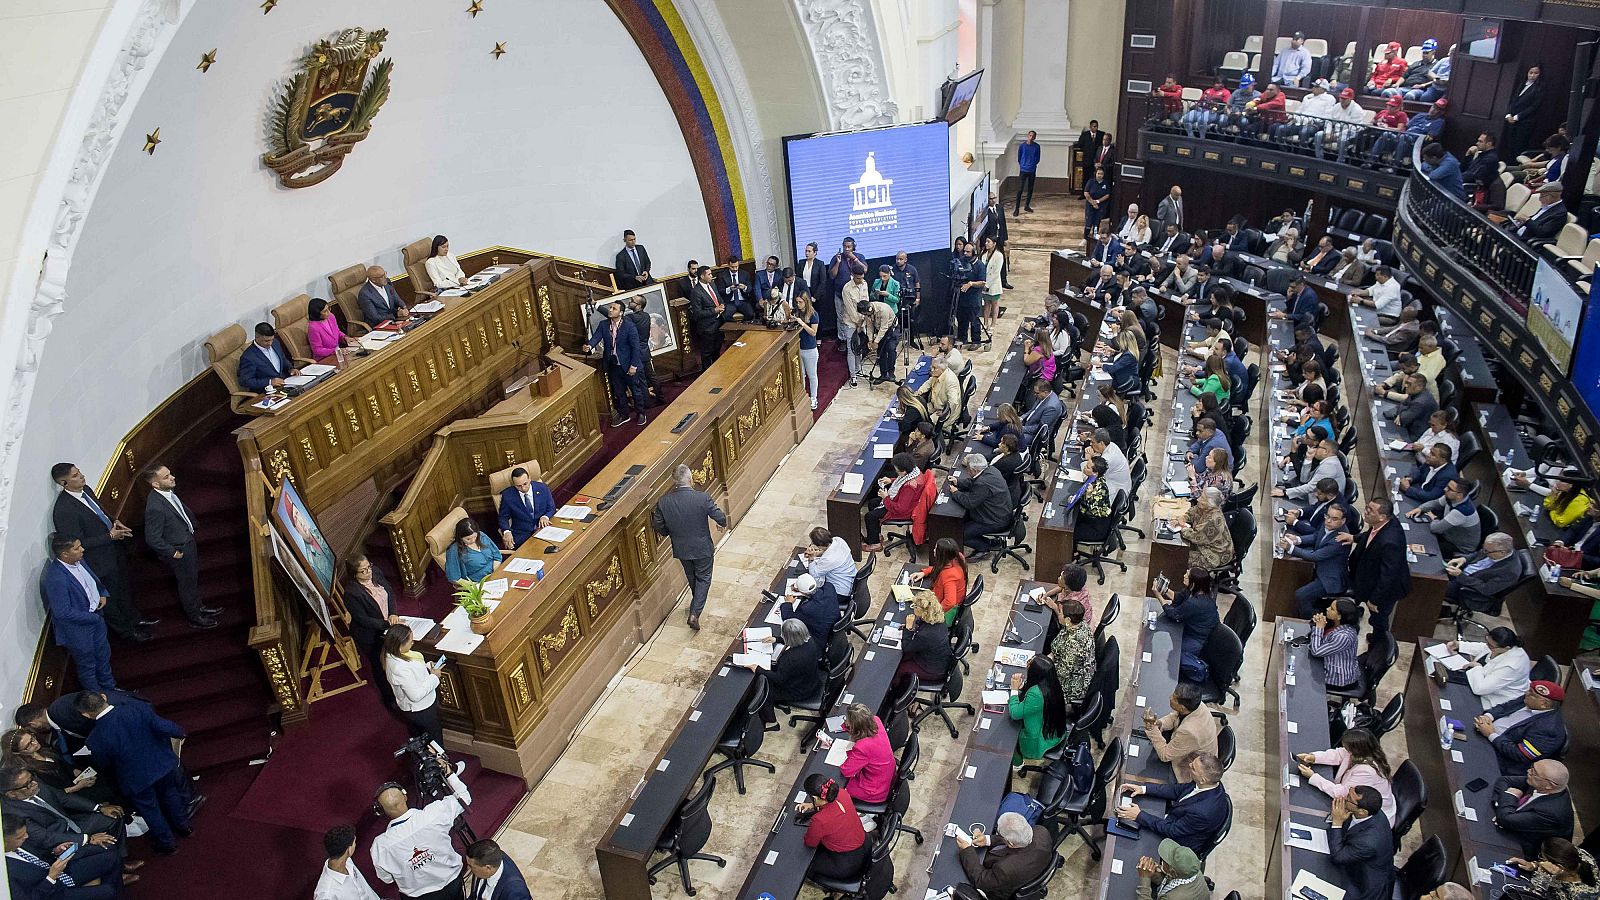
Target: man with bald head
(379,301)
(1535,806)
(414,852)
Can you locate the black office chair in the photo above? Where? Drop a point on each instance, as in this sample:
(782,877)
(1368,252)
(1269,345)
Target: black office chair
(1469,602)
(1448,392)
(1244,498)
(832,686)
(1242,530)
(1222,834)
(1471,446)
(1109,614)
(896,713)
(1106,683)
(1254,274)
(1241,618)
(1373,664)
(899,799)
(903,537)
(1078,813)
(1375,225)
(1546,669)
(1350,221)
(876,878)
(1410,798)
(1136,475)
(687,835)
(1227,747)
(1223,655)
(1096,538)
(935,699)
(1424,870)
(1391,716)
(1009,542)
(1039,887)
(744,735)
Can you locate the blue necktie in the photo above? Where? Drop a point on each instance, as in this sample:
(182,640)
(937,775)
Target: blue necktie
(96,508)
(64,879)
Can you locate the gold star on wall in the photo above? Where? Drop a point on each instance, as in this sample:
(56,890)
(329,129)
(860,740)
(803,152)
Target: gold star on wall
(267,5)
(499,49)
(207,60)
(151,140)
(475,8)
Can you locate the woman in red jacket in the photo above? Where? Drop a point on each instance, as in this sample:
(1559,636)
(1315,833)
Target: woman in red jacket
(899,497)
(835,830)
(948,575)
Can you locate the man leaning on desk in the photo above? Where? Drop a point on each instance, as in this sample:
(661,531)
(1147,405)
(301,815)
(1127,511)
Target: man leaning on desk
(266,362)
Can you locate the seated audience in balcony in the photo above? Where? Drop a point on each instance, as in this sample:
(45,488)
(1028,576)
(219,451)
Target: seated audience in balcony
(1293,63)
(1268,112)
(1383,295)
(1551,164)
(1416,74)
(1347,117)
(1314,108)
(1349,270)
(1437,81)
(1388,125)
(1397,147)
(1388,72)
(1443,169)
(1208,111)
(1482,164)
(1233,118)
(1546,221)
(1170,95)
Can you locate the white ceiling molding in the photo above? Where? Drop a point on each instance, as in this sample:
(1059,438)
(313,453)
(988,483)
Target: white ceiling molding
(846,48)
(118,68)
(721,60)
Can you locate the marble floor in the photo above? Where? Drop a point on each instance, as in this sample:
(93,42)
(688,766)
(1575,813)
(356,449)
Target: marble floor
(552,833)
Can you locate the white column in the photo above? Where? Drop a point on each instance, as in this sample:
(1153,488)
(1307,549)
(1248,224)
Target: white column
(1043,103)
(993,134)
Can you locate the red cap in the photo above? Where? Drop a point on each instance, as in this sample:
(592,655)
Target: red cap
(1549,689)
(1441,103)
(1394,46)
(1395,102)
(1347,94)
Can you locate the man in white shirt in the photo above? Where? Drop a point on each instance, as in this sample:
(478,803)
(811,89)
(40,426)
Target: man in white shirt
(340,879)
(953,359)
(1118,477)
(1345,114)
(853,292)
(828,558)
(1383,295)
(1315,106)
(414,852)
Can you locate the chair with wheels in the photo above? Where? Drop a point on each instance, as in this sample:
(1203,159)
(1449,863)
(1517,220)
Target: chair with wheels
(1079,813)
(1227,747)
(1546,669)
(1410,798)
(936,699)
(896,713)
(1393,713)
(1096,538)
(1108,615)
(1241,618)
(1424,870)
(743,737)
(1105,684)
(1223,655)
(1462,613)
(687,835)
(832,686)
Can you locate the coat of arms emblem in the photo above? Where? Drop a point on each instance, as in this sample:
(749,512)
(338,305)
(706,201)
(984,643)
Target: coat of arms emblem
(327,108)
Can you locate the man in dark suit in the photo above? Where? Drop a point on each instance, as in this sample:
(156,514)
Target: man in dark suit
(1546,221)
(1361,844)
(379,301)
(1301,305)
(632,263)
(622,354)
(525,507)
(1379,574)
(768,280)
(689,280)
(1221,263)
(1417,406)
(33,877)
(1106,156)
(169,531)
(1171,242)
(1046,410)
(1023,853)
(1323,260)
(1330,560)
(790,287)
(1196,809)
(491,875)
(1170,210)
(1101,282)
(814,604)
(706,315)
(1107,249)
(982,493)
(56,818)
(1535,806)
(137,747)
(77,513)
(1428,479)
(1089,142)
(1475,580)
(1535,731)
(266,361)
(1520,113)
(1307,520)
(682,515)
(1482,162)
(76,598)
(736,289)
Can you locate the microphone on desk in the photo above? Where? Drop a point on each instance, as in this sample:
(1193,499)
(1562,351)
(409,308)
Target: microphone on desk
(1010,632)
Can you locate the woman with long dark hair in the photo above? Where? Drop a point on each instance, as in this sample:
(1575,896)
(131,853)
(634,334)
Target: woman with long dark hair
(1037,703)
(947,574)
(834,829)
(443,268)
(1195,608)
(471,556)
(1562,871)
(22,748)
(371,603)
(1333,640)
(415,683)
(1359,759)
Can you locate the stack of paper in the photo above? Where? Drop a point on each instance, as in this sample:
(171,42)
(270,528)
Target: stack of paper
(759,660)
(419,625)
(316,370)
(575,513)
(299,380)
(837,752)
(524,566)
(852,482)
(756,635)
(496,588)
(882,451)
(1398,444)
(553,534)
(432,306)
(996,700)
(460,640)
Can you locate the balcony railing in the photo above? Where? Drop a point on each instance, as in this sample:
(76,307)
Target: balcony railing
(1491,252)
(1364,146)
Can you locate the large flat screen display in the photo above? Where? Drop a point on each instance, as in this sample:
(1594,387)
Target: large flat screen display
(1553,315)
(889,188)
(1586,365)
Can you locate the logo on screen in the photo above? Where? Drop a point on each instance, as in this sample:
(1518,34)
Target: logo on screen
(871,208)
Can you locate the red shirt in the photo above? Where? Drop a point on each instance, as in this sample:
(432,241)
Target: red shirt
(836,826)
(1216,95)
(1388,73)
(1393,118)
(1171,96)
(950,587)
(1271,110)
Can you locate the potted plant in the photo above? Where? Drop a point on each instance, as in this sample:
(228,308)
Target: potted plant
(469,596)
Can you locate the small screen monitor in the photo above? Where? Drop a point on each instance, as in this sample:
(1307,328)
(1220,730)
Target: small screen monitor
(960,97)
(1480,38)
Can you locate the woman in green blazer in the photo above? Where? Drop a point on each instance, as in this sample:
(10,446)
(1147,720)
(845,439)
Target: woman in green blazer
(1038,703)
(1214,380)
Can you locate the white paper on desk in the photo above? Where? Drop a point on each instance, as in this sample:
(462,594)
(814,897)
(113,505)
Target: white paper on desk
(1397,444)
(553,534)
(521,565)
(1437,651)
(759,660)
(376,340)
(1476,649)
(996,699)
(1304,879)
(496,588)
(774,616)
(573,512)
(891,636)
(851,483)
(1075,474)
(1454,662)
(299,380)
(460,640)
(457,620)
(272,402)
(1116,866)
(316,370)
(1305,837)
(420,626)
(837,752)
(1013,656)
(882,451)
(756,635)
(1179,488)
(432,306)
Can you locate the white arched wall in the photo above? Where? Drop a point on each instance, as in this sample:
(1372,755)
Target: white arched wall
(556,146)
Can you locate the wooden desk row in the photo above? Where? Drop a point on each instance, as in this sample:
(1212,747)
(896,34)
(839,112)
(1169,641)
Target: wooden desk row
(1297,722)
(844,507)
(1169,552)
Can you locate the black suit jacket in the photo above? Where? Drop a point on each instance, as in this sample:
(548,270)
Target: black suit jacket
(1364,851)
(164,529)
(725,280)
(73,518)
(367,624)
(703,309)
(1379,572)
(814,275)
(1089,143)
(627,272)
(1108,160)
(1540,818)
(27,882)
(1525,103)
(46,830)
(995,227)
(1544,224)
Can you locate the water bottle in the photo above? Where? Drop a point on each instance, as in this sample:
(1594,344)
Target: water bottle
(988,680)
(1290,669)
(1150,621)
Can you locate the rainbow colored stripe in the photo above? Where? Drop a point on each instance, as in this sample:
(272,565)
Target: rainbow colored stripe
(661,36)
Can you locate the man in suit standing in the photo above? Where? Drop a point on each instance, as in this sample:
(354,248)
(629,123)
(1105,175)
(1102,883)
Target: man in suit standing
(1520,113)
(491,875)
(1024,852)
(77,513)
(1361,844)
(266,362)
(1089,142)
(31,877)
(1329,558)
(169,531)
(1170,209)
(525,507)
(340,880)
(622,353)
(140,749)
(379,301)
(75,599)
(1379,574)
(1106,157)
(632,263)
(706,314)
(1196,809)
(790,287)
(1535,806)
(682,516)
(1529,733)
(1546,221)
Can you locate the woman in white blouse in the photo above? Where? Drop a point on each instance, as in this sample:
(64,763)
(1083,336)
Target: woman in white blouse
(415,683)
(443,269)
(1141,230)
(1502,675)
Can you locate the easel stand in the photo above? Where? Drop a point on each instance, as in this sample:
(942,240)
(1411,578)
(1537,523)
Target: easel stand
(319,649)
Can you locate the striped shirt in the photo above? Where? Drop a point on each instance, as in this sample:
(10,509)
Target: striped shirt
(1337,650)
